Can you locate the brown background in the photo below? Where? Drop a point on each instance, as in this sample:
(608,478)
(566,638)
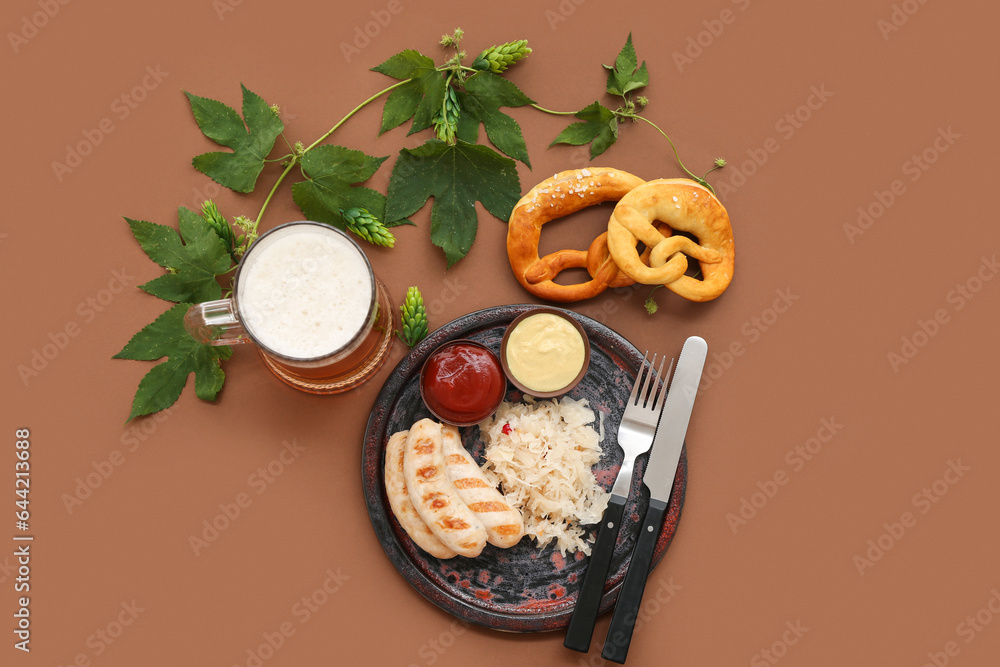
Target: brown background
(824,358)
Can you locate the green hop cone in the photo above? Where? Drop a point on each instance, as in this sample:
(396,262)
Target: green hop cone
(210,212)
(368,227)
(650,304)
(413,317)
(446,119)
(496,59)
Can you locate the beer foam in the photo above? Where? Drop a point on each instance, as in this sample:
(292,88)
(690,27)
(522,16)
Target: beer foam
(304,291)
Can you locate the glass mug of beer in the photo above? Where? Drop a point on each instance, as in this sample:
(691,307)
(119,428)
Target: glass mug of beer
(306,295)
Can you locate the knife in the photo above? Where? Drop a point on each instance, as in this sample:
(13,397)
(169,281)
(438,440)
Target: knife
(659,479)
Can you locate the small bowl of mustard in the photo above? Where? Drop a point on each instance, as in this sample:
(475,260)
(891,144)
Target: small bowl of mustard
(545,352)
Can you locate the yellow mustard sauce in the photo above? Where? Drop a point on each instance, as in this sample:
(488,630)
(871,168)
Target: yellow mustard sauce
(545,352)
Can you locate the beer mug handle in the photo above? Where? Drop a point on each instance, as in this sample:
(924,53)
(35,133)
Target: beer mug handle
(215,323)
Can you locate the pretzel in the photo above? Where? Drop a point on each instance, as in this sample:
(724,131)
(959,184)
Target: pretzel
(555,197)
(687,207)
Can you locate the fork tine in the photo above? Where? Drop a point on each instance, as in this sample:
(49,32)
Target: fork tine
(662,398)
(633,398)
(657,385)
(645,391)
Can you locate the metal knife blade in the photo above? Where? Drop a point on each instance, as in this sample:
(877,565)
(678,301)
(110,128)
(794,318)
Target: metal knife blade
(669,439)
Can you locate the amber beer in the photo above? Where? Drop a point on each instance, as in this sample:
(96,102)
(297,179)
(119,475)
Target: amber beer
(306,295)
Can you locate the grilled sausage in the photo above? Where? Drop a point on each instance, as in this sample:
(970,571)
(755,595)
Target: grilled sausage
(434,496)
(399,500)
(504,525)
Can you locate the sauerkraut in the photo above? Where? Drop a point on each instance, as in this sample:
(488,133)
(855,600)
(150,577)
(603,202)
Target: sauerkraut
(541,454)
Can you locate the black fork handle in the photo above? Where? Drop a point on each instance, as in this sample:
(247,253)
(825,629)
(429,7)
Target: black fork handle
(581,624)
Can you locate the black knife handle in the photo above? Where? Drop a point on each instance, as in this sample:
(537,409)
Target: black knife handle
(581,624)
(627,608)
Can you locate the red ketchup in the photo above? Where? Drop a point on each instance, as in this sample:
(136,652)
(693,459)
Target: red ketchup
(462,383)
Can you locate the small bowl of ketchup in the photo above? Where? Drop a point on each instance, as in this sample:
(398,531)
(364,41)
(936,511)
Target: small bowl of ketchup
(462,382)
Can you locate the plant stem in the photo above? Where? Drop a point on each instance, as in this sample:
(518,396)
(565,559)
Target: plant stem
(354,111)
(296,159)
(291,163)
(710,171)
(699,179)
(558,113)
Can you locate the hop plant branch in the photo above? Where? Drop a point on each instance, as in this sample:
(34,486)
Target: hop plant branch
(599,126)
(445,122)
(296,158)
(450,99)
(699,179)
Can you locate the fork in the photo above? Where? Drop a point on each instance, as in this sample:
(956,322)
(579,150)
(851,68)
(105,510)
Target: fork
(635,436)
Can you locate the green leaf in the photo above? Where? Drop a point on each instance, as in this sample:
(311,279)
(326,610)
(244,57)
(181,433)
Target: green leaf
(193,263)
(486,94)
(251,142)
(624,77)
(162,385)
(331,170)
(401,104)
(433,87)
(627,61)
(420,98)
(456,176)
(397,223)
(405,65)
(468,125)
(599,128)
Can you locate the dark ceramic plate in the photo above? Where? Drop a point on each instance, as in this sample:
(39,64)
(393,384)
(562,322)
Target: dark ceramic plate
(524,588)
